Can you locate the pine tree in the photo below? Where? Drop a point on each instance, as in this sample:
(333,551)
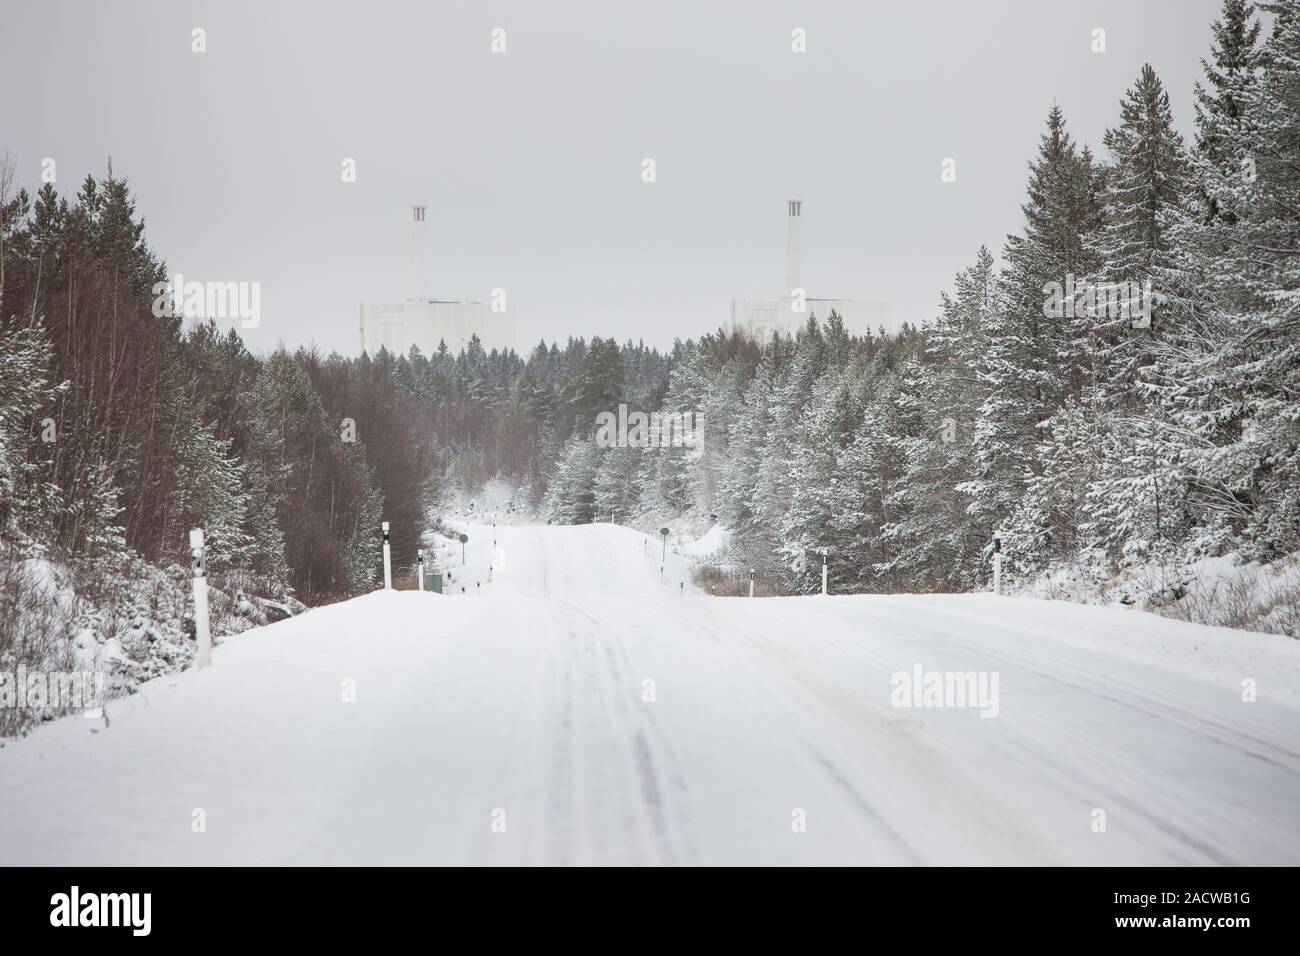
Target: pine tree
(571,496)
(1143,193)
(1261,360)
(934,541)
(616,488)
(1033,361)
(1230,78)
(28,495)
(1133,463)
(826,429)
(209,494)
(741,508)
(1227,383)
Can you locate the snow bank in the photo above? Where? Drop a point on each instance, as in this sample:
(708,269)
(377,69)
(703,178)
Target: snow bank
(1223,591)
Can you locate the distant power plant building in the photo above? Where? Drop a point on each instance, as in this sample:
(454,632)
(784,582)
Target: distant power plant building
(426,322)
(761,317)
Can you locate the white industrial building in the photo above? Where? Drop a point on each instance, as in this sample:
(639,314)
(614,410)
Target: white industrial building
(425,322)
(761,317)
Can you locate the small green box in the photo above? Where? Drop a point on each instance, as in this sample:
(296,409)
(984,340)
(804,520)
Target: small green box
(436,579)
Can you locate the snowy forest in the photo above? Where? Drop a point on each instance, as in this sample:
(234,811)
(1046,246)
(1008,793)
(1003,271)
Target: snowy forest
(1098,448)
(1095,445)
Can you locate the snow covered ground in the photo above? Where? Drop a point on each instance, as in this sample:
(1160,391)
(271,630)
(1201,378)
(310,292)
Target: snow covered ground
(579,709)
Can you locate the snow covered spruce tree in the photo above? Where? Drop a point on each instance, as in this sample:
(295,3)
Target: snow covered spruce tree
(616,486)
(1124,500)
(1033,359)
(819,510)
(1248,414)
(932,537)
(29,498)
(571,494)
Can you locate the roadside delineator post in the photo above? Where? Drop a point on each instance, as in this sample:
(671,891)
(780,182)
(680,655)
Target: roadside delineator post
(751,582)
(199,567)
(388,561)
(997,562)
(419,560)
(824,552)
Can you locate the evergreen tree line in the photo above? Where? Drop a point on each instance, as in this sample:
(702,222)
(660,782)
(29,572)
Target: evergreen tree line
(1083,436)
(1092,433)
(120,431)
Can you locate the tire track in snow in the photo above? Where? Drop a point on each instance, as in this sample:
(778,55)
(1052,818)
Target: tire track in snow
(605,803)
(647,749)
(861,804)
(1098,772)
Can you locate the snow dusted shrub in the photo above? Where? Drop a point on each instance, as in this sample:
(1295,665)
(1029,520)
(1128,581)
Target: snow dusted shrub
(1224,591)
(723,580)
(34,616)
(1221,601)
(117,616)
(1283,607)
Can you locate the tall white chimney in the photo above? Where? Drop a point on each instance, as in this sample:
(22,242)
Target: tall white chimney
(417,253)
(793,280)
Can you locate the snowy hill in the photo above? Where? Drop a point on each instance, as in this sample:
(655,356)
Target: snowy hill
(578,710)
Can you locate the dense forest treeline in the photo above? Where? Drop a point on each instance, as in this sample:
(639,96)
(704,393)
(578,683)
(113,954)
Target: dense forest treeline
(1095,432)
(121,429)
(1089,439)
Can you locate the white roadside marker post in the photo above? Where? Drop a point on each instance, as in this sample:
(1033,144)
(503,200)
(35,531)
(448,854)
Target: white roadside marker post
(824,552)
(419,560)
(388,562)
(751,582)
(997,563)
(199,567)
(663,558)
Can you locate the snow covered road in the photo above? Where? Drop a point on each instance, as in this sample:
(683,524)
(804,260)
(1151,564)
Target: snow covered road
(578,710)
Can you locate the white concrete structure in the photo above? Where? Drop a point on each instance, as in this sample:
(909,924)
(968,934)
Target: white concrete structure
(416,263)
(789,313)
(761,317)
(426,323)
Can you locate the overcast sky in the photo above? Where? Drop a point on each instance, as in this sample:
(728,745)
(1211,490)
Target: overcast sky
(530,160)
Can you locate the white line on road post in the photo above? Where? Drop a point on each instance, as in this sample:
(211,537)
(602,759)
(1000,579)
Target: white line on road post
(419,560)
(199,566)
(388,562)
